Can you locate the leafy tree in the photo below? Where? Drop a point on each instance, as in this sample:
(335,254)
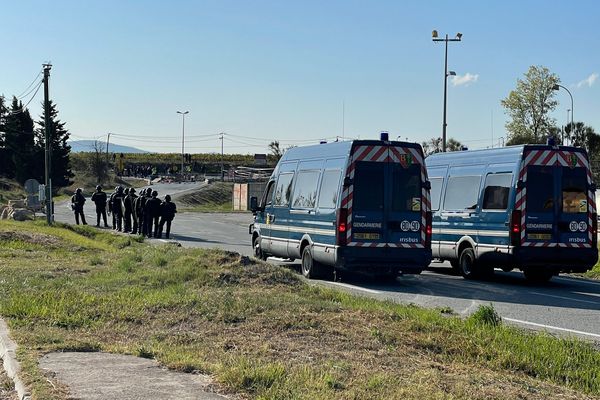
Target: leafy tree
(435,145)
(275,149)
(580,135)
(19,144)
(61,169)
(528,106)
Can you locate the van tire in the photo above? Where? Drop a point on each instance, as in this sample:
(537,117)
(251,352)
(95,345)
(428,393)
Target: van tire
(310,268)
(258,252)
(466,264)
(536,275)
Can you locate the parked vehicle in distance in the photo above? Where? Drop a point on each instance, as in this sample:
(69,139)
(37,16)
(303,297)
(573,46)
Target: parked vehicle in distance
(530,207)
(351,205)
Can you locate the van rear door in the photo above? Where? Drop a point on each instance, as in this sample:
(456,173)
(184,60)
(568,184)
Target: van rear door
(388,209)
(557,201)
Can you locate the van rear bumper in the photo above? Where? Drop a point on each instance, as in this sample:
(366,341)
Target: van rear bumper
(382,260)
(559,258)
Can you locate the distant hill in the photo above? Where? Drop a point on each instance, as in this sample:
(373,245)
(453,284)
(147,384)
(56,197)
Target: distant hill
(78,146)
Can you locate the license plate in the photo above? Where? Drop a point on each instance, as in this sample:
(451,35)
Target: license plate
(367,236)
(539,236)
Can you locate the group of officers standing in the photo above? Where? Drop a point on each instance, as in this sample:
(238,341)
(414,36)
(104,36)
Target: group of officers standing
(145,214)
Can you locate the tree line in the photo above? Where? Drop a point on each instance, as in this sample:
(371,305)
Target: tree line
(22,145)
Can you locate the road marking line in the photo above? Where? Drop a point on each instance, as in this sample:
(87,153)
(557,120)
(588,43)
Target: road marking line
(588,294)
(518,321)
(565,298)
(355,287)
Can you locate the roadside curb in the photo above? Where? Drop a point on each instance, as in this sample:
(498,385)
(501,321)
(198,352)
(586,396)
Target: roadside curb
(8,352)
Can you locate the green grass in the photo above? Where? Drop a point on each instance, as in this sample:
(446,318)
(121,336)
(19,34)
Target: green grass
(594,273)
(216,197)
(261,330)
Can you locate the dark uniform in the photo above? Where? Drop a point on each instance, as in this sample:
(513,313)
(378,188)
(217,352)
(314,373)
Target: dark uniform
(110,207)
(140,205)
(152,214)
(126,212)
(99,198)
(77,202)
(167,213)
(129,203)
(117,208)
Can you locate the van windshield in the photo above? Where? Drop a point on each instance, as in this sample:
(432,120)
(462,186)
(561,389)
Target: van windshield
(540,189)
(406,191)
(368,186)
(574,186)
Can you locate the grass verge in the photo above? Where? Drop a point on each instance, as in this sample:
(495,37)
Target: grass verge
(216,197)
(261,330)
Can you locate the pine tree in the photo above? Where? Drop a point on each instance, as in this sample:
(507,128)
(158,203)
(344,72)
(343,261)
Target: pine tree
(19,144)
(61,168)
(3,154)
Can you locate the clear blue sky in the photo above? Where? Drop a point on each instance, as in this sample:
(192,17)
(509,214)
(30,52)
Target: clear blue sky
(282,70)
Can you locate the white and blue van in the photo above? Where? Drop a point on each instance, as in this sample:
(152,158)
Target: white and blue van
(530,207)
(350,205)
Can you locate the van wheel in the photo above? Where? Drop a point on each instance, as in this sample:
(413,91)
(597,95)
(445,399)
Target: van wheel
(258,252)
(310,268)
(466,263)
(536,275)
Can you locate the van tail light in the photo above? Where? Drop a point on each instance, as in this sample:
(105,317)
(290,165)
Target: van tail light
(515,228)
(594,229)
(428,229)
(341,226)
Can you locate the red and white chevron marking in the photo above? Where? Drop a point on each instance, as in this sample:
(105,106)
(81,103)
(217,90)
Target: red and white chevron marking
(562,158)
(382,153)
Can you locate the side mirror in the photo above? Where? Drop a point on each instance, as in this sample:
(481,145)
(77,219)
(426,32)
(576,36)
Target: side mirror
(253,204)
(520,185)
(347,182)
(427,185)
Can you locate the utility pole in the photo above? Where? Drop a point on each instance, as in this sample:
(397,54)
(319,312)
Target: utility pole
(107,144)
(47,147)
(183,113)
(222,165)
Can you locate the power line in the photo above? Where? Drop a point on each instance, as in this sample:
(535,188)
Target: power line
(28,87)
(23,108)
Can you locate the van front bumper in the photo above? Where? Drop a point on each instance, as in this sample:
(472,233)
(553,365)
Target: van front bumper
(562,259)
(382,260)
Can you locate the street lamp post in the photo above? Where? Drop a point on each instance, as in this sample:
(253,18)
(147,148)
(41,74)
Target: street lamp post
(557,87)
(435,38)
(182,137)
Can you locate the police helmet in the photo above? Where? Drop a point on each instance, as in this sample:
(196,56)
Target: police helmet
(98,187)
(167,198)
(154,193)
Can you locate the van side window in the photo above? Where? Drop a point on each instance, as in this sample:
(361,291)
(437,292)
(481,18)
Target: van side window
(283,191)
(330,188)
(436,192)
(267,200)
(462,192)
(497,188)
(305,191)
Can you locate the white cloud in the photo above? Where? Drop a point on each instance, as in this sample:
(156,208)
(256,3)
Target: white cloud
(589,81)
(466,79)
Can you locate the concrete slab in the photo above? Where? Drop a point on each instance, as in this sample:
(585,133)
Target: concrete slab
(103,376)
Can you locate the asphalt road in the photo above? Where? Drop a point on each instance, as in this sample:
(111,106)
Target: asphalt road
(566,306)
